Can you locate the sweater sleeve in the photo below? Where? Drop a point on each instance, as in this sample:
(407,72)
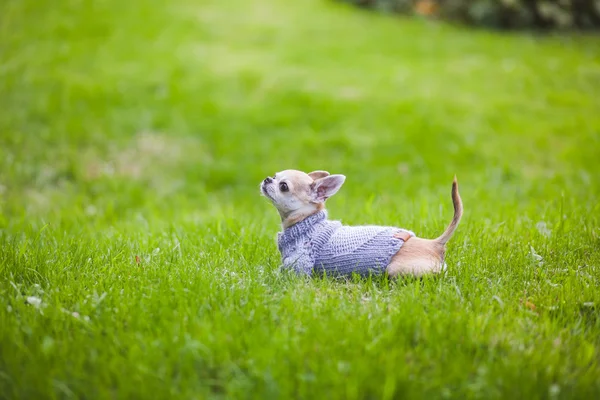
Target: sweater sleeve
(300,262)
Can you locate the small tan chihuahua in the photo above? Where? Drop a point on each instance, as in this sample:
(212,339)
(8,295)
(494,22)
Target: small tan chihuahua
(310,242)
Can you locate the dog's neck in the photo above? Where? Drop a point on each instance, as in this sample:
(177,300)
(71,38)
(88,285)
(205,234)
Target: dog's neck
(300,214)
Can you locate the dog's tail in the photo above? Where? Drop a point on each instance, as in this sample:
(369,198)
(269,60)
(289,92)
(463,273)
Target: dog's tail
(458,211)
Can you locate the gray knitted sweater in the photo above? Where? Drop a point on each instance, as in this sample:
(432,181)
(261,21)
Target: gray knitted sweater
(320,245)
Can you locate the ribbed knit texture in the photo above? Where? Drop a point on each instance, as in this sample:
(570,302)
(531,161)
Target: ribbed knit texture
(319,245)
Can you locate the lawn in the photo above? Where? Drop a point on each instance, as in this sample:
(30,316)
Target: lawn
(137,259)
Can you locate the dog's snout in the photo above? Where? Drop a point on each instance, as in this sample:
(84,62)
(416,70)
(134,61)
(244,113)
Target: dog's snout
(268,180)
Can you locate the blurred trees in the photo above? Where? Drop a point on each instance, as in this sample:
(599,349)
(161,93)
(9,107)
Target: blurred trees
(505,14)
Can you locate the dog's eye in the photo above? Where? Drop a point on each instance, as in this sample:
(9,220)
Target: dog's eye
(283,187)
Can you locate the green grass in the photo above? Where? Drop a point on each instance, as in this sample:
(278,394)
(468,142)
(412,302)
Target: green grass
(142,129)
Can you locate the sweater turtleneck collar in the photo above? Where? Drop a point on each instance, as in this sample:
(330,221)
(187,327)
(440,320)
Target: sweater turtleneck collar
(300,229)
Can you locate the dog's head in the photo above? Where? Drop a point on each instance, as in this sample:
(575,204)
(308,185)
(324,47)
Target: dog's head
(296,194)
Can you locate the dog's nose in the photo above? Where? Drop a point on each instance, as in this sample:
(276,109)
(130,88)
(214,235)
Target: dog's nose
(268,180)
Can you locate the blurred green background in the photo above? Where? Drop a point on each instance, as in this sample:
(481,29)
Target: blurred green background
(137,258)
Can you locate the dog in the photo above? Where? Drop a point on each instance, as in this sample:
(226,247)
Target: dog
(309,242)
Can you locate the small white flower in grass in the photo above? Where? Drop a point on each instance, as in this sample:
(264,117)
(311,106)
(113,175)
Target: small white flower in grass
(75,314)
(554,390)
(543,228)
(34,301)
(536,257)
(91,210)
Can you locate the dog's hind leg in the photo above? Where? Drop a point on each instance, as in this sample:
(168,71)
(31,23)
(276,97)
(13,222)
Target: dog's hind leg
(417,257)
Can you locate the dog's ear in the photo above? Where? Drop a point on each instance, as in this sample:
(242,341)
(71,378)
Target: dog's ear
(324,188)
(318,174)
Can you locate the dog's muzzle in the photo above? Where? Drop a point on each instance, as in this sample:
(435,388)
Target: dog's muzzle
(263,186)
